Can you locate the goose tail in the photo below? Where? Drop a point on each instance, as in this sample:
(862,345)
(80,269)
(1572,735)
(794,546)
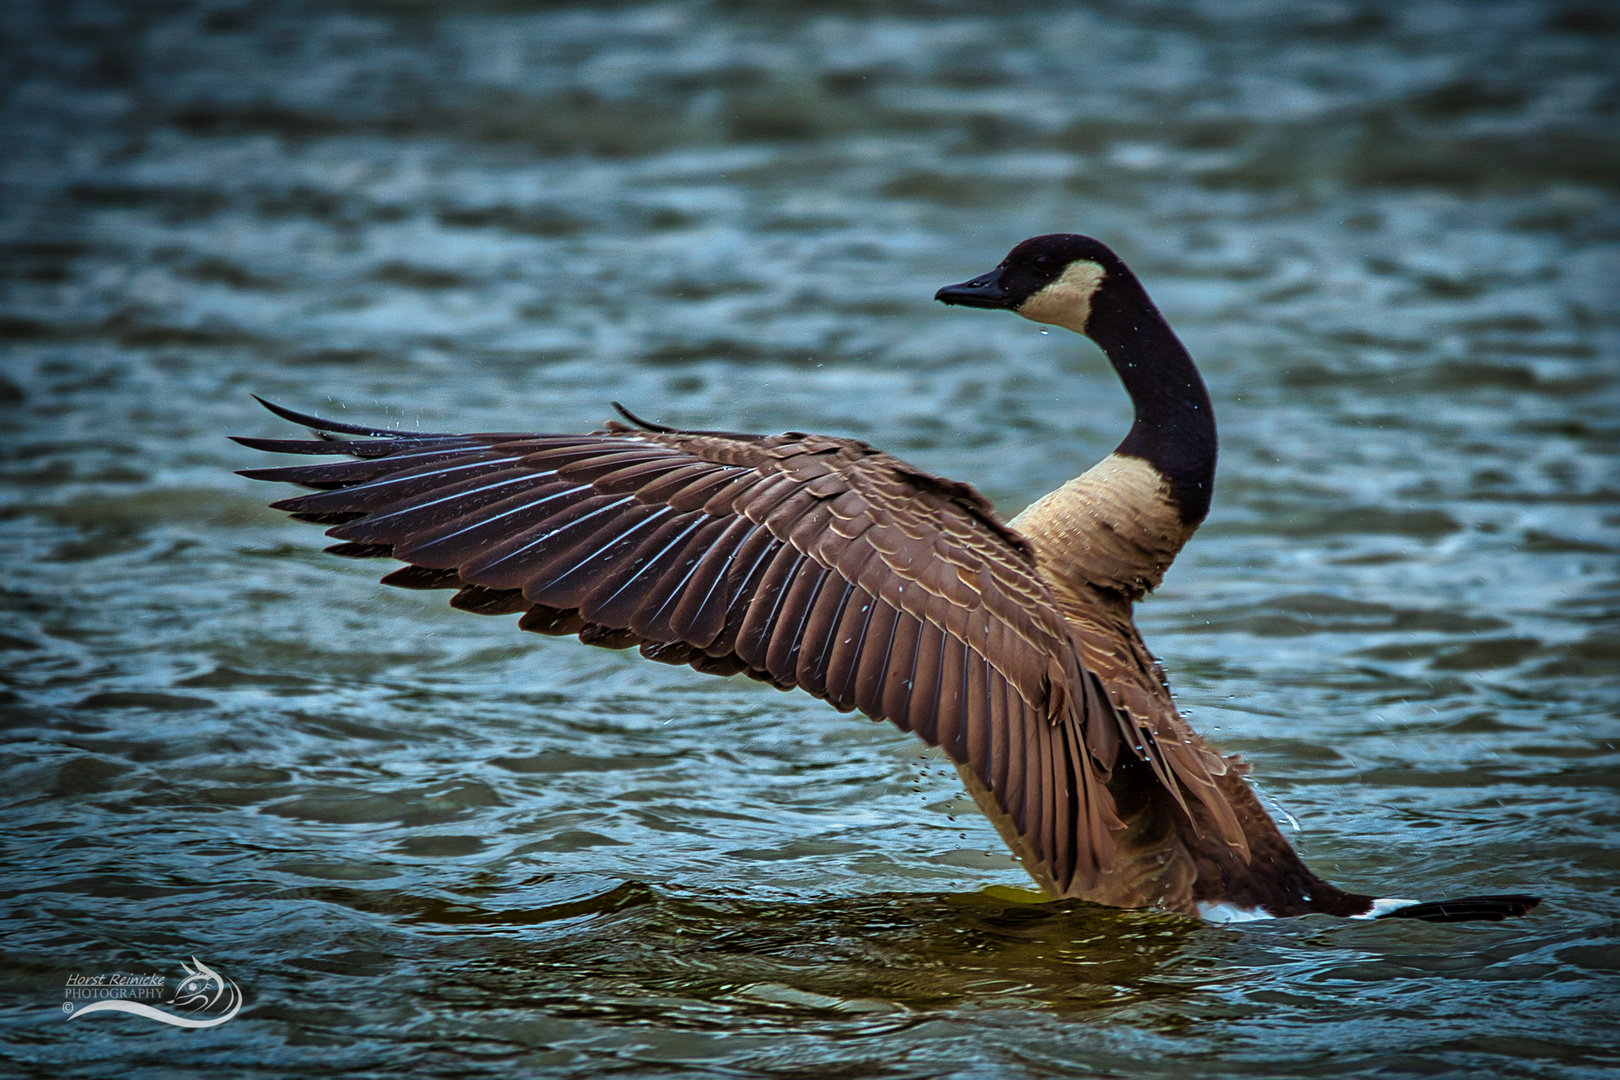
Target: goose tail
(1462,909)
(1324,899)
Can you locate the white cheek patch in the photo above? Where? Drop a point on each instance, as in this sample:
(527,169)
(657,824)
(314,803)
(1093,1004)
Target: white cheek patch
(1066,300)
(1230,913)
(1384,906)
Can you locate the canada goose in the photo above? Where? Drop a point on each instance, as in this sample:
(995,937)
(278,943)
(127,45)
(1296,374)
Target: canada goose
(822,563)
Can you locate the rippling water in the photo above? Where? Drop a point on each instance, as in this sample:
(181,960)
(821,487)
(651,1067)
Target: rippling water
(420,840)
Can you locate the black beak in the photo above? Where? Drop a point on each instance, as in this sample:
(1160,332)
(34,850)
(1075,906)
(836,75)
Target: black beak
(984,291)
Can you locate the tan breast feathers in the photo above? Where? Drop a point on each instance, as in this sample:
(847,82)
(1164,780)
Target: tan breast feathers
(1114,527)
(1101,542)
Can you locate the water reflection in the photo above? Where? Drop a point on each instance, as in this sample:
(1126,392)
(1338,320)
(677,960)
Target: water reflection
(875,962)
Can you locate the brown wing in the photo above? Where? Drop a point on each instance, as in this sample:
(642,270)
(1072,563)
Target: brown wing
(801,560)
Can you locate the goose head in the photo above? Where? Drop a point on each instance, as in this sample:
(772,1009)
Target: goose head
(1076,282)
(1059,279)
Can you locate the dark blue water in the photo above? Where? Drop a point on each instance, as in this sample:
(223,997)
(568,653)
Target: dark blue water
(423,842)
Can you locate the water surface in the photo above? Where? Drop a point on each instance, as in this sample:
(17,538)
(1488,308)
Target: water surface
(420,840)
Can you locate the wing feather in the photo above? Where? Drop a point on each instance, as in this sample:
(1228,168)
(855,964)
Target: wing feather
(820,630)
(753,641)
(572,572)
(849,642)
(623,589)
(900,679)
(700,611)
(653,619)
(949,712)
(451,539)
(782,653)
(512,563)
(924,710)
(872,668)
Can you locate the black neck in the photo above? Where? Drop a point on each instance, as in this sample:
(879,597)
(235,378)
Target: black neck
(1175,425)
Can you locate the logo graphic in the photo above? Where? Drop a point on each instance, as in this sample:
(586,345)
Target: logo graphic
(209,997)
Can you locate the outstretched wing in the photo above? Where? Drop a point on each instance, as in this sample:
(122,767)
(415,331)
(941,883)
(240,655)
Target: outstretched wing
(801,560)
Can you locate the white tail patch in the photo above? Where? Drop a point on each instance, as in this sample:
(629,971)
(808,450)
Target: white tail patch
(1223,912)
(1383,906)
